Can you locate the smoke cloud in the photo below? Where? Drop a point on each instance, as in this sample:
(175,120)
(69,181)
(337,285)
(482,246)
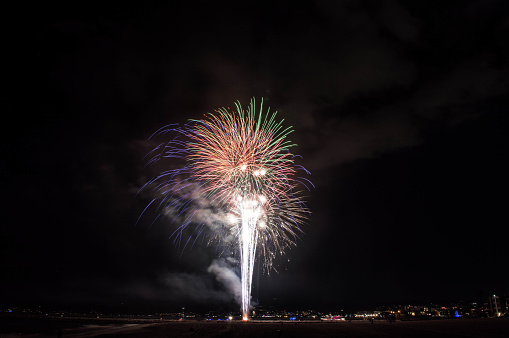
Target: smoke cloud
(227,277)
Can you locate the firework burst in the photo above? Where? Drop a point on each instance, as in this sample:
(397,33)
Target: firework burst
(237,165)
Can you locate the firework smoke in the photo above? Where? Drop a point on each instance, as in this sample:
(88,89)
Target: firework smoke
(236,176)
(228,278)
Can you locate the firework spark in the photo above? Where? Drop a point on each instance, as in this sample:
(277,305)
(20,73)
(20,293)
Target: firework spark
(237,165)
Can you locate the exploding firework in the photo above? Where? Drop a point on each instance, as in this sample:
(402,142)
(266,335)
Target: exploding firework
(233,173)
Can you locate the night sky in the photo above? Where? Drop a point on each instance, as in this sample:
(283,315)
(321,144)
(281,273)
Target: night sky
(400,111)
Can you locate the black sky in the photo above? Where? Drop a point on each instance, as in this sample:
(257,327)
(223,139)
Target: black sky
(399,110)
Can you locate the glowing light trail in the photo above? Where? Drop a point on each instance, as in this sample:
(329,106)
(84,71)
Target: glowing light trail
(237,165)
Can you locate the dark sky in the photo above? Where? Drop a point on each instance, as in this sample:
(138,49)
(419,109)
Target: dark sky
(400,111)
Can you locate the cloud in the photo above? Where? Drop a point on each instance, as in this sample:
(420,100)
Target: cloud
(472,80)
(385,124)
(349,139)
